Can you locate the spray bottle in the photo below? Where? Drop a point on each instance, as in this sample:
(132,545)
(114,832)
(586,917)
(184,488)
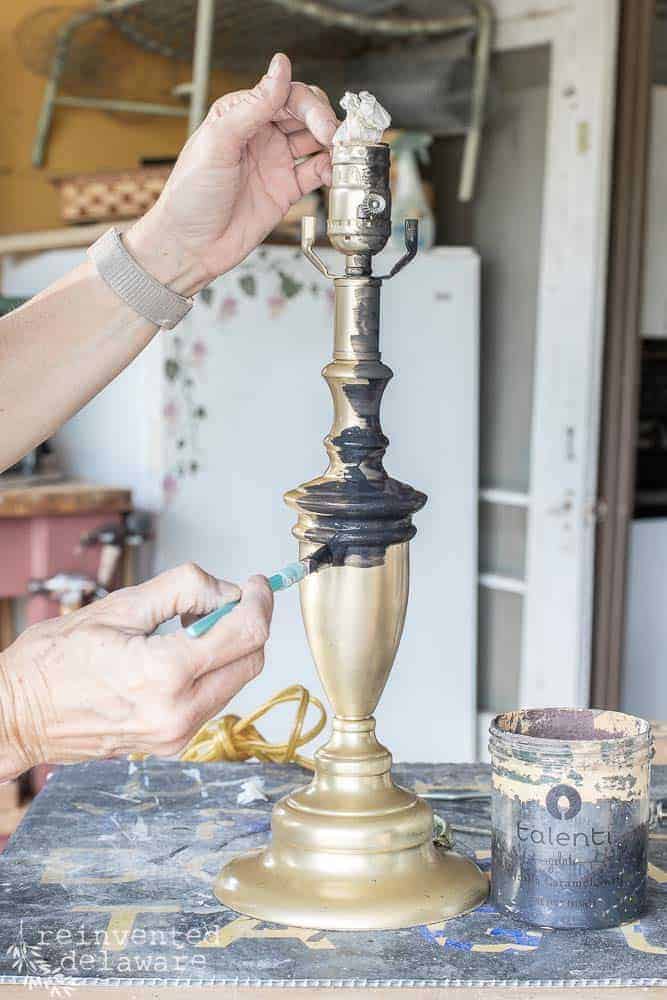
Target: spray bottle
(407,189)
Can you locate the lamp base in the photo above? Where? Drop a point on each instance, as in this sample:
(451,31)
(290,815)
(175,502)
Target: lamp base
(352,850)
(422,887)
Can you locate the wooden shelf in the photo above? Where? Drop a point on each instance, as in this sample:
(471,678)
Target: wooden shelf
(69,497)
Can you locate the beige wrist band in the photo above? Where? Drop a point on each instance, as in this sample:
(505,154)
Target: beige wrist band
(135,286)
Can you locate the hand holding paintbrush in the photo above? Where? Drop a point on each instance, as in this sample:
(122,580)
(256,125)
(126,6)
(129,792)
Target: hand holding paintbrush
(286,577)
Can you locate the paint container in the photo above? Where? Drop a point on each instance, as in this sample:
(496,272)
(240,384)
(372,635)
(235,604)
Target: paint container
(570,816)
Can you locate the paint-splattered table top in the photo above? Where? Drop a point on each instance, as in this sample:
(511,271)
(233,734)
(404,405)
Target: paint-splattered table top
(108,882)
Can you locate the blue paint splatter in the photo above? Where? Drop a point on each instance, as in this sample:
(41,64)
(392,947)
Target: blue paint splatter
(428,934)
(438,936)
(530,939)
(519,936)
(458,945)
(257,826)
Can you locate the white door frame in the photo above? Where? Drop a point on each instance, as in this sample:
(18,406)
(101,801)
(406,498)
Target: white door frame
(558,586)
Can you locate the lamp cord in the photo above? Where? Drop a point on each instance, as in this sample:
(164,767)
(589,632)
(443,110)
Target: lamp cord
(235,738)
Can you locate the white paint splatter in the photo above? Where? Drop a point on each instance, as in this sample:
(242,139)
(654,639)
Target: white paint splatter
(117,824)
(252,790)
(140,829)
(193,772)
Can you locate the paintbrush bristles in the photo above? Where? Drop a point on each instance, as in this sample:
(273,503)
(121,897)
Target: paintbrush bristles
(319,558)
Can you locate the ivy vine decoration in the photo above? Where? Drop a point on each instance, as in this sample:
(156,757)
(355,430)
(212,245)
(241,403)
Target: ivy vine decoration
(262,273)
(283,286)
(182,411)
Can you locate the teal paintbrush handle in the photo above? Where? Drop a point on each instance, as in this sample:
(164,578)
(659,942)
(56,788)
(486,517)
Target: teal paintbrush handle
(202,625)
(284,578)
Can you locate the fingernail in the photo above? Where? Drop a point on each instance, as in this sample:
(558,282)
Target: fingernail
(274,66)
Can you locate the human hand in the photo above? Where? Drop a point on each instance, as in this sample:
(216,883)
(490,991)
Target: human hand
(235,179)
(96,682)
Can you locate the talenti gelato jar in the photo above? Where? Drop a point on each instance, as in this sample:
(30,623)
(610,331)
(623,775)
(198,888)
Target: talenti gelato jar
(570,816)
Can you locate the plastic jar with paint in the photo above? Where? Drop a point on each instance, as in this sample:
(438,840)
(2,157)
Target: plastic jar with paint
(570,816)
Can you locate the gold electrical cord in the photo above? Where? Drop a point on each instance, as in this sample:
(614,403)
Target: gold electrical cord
(233,738)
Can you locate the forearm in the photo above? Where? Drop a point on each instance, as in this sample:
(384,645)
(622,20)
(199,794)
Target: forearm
(14,755)
(64,345)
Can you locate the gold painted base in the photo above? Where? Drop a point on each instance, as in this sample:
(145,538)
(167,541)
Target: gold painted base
(352,850)
(427,886)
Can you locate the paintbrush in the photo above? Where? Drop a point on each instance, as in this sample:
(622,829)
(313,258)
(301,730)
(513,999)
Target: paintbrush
(286,577)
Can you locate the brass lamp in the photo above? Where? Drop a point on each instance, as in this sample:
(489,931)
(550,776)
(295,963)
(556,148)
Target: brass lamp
(352,850)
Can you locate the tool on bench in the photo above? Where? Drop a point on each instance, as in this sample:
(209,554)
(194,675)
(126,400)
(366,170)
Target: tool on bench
(71,590)
(115,539)
(455,795)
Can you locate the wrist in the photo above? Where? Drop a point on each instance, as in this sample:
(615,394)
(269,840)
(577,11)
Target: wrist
(14,755)
(163,257)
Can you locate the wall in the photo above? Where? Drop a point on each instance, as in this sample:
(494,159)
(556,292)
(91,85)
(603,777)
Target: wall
(82,140)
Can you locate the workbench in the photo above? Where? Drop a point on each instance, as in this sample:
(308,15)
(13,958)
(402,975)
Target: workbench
(41,527)
(40,533)
(108,882)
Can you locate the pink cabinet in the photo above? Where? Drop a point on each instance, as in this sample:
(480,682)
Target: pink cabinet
(38,547)
(41,529)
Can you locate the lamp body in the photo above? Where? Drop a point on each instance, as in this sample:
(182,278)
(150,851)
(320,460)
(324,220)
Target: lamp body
(352,850)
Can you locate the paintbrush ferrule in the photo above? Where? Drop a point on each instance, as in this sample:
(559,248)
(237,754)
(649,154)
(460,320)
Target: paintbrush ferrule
(286,577)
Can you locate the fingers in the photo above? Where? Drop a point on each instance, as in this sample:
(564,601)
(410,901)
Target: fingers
(203,674)
(321,94)
(184,590)
(238,635)
(289,125)
(314,172)
(311,106)
(214,690)
(303,143)
(292,107)
(204,699)
(245,112)
(293,124)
